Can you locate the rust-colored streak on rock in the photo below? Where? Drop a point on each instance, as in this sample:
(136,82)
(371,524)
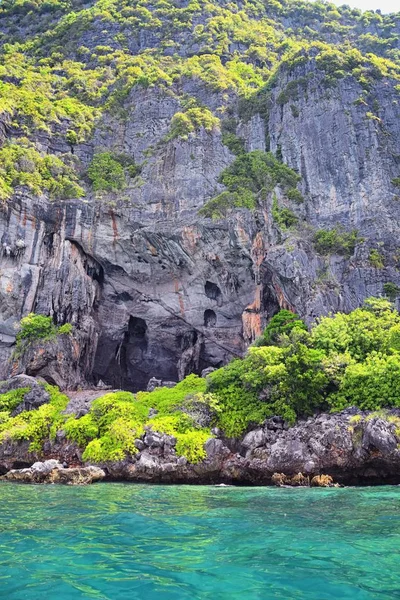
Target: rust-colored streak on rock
(251,318)
(283,303)
(180,298)
(191,237)
(152,249)
(114,226)
(258,251)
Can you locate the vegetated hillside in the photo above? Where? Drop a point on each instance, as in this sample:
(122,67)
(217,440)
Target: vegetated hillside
(171,174)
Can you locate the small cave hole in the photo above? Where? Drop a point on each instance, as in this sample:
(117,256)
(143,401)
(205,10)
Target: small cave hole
(210,318)
(213,292)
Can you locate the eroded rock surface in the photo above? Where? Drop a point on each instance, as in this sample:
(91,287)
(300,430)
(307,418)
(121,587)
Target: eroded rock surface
(344,448)
(154,289)
(52,471)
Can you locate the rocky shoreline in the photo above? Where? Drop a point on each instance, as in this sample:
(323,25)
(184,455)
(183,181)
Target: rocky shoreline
(347,448)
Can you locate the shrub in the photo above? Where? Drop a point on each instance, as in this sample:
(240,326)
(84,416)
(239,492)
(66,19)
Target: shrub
(370,385)
(248,179)
(35,327)
(283,217)
(82,430)
(281,323)
(376,259)
(12,399)
(22,165)
(336,241)
(392,290)
(191,445)
(106,173)
(37,425)
(182,124)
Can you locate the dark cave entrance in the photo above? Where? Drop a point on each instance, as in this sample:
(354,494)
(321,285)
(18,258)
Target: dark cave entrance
(132,353)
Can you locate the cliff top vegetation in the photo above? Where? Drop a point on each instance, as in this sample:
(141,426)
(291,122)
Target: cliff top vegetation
(63,63)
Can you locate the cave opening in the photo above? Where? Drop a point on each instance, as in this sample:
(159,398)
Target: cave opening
(213,292)
(210,318)
(130,354)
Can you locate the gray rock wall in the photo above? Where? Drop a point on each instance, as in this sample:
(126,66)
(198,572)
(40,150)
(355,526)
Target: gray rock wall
(151,288)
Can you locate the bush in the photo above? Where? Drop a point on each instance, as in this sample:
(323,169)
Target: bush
(182,124)
(106,173)
(283,217)
(34,328)
(248,179)
(345,360)
(12,399)
(281,323)
(22,165)
(109,430)
(376,259)
(392,290)
(336,241)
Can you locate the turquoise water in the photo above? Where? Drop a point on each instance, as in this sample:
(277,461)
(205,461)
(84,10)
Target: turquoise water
(116,541)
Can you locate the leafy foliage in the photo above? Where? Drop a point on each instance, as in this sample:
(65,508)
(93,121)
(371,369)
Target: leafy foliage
(376,259)
(281,323)
(35,327)
(77,60)
(336,241)
(392,290)
(185,123)
(36,425)
(344,360)
(22,165)
(106,173)
(109,430)
(248,179)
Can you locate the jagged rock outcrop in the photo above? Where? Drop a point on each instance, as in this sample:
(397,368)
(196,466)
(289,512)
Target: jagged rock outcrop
(351,447)
(52,471)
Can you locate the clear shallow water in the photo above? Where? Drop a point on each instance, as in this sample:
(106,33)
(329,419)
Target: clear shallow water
(116,541)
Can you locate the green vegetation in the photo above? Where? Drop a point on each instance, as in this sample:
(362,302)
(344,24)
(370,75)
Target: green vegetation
(343,360)
(109,430)
(283,217)
(376,259)
(281,324)
(63,63)
(108,171)
(22,165)
(396,181)
(184,123)
(336,241)
(392,290)
(33,328)
(248,180)
(37,425)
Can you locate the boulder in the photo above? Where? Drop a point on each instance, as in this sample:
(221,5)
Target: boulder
(32,400)
(323,481)
(52,471)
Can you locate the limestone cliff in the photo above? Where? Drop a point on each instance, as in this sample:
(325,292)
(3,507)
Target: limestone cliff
(153,288)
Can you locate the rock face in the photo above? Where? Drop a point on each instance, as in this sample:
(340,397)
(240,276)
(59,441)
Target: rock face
(34,398)
(345,448)
(350,447)
(52,471)
(153,289)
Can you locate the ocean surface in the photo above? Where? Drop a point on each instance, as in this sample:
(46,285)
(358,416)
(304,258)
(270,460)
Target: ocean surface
(125,541)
